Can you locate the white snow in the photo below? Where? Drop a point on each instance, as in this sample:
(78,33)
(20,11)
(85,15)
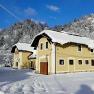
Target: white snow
(63,37)
(33,55)
(14,81)
(24,47)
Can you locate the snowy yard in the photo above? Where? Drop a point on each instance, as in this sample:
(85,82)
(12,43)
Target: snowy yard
(13,81)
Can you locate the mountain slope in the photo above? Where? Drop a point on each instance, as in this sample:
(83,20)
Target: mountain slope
(19,32)
(83,26)
(26,30)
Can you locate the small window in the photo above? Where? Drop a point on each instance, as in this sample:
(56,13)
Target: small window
(61,62)
(41,46)
(79,47)
(35,48)
(71,62)
(86,62)
(80,62)
(17,64)
(91,50)
(46,45)
(92,62)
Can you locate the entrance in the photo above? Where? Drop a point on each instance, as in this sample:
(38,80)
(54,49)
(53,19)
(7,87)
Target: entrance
(44,68)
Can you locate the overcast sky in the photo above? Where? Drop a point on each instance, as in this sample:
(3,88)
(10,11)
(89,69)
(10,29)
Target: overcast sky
(53,12)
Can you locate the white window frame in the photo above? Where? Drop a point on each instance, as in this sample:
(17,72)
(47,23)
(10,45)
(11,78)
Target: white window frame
(85,62)
(63,62)
(78,62)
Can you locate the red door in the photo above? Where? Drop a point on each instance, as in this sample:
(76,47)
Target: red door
(44,68)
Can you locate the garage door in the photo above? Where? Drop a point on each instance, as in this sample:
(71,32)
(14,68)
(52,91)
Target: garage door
(44,68)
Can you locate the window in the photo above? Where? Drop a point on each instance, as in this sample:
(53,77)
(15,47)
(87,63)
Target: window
(86,62)
(80,62)
(61,62)
(91,50)
(17,64)
(41,46)
(92,62)
(35,48)
(71,62)
(79,47)
(46,45)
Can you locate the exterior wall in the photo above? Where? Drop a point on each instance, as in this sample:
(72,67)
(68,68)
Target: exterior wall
(15,58)
(65,52)
(43,55)
(33,63)
(25,63)
(70,51)
(22,58)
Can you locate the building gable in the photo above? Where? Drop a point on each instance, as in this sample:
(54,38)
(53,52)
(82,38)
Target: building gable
(62,38)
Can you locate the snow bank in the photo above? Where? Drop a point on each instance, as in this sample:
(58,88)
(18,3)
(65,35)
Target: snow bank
(69,83)
(1,92)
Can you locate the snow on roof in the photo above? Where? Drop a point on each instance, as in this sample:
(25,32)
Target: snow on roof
(33,55)
(24,47)
(63,37)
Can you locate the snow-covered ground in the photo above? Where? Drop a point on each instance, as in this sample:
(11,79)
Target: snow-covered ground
(13,81)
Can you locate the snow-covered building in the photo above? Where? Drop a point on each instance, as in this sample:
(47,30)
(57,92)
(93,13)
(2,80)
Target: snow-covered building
(59,52)
(21,53)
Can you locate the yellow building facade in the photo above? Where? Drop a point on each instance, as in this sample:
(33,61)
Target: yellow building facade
(21,53)
(58,52)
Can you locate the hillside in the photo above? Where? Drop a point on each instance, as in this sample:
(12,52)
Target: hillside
(18,32)
(24,32)
(83,26)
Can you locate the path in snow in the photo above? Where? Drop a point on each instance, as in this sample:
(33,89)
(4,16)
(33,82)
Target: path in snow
(70,83)
(13,81)
(51,85)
